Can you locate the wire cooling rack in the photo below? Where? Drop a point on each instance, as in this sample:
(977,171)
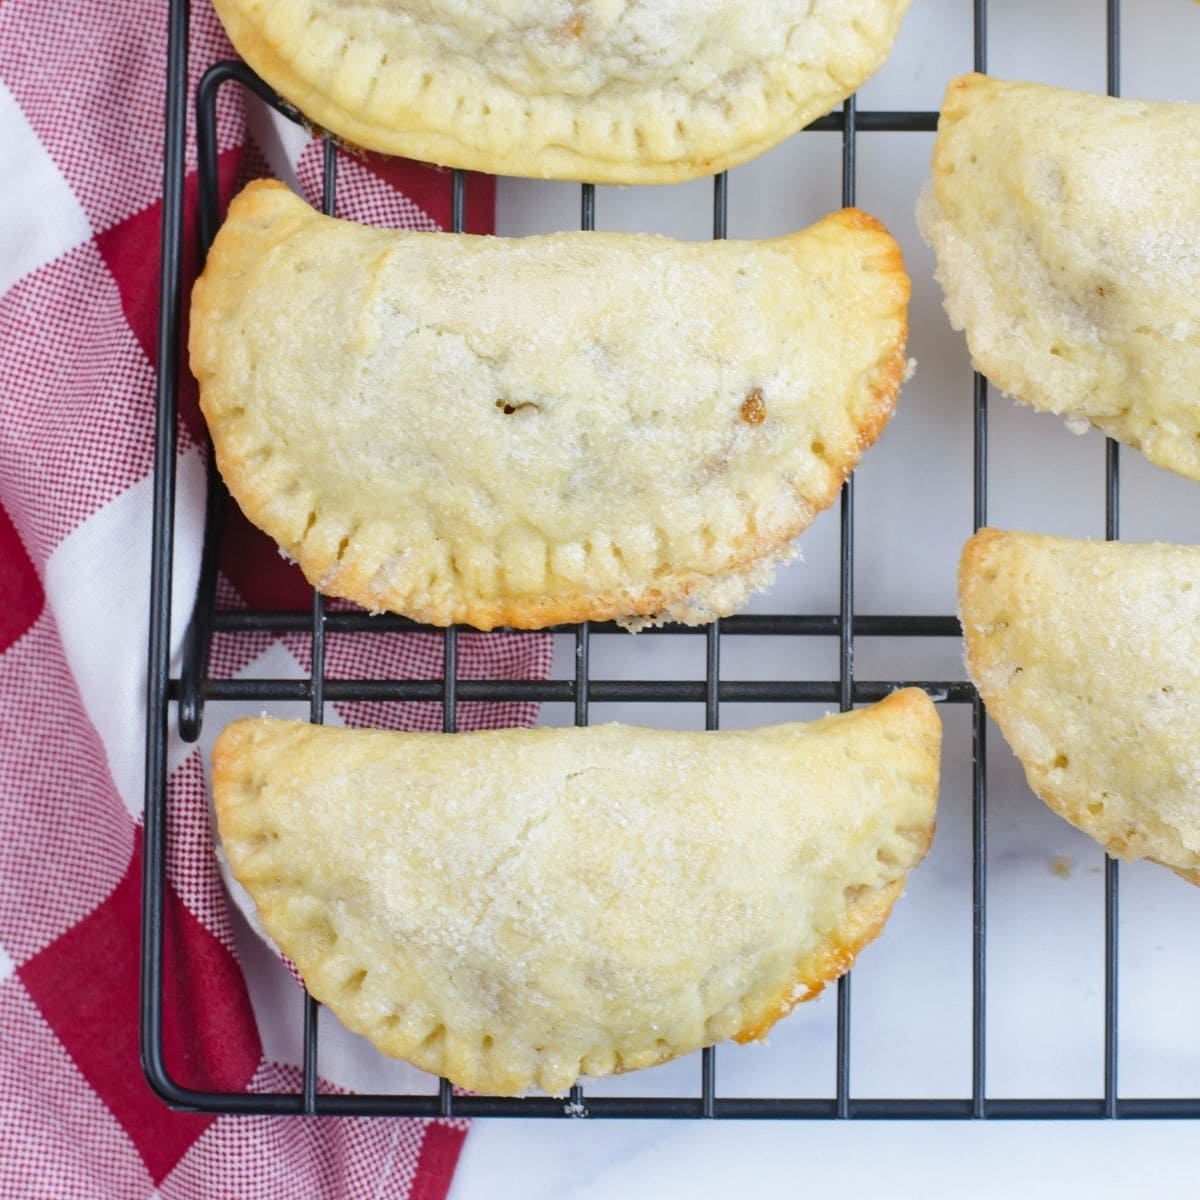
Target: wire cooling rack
(183,698)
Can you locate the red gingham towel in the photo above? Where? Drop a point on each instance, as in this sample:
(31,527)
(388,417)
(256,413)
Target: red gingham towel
(81,101)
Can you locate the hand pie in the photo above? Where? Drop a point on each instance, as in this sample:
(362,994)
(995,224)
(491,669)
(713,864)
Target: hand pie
(1087,655)
(1067,232)
(545,429)
(516,908)
(645,91)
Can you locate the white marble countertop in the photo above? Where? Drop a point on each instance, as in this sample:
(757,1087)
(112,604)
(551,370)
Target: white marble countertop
(640,1160)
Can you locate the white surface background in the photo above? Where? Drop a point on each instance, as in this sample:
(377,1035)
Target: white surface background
(911,993)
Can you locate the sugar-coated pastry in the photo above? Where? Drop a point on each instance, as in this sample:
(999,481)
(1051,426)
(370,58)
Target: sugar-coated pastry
(536,430)
(1087,655)
(1067,232)
(517,908)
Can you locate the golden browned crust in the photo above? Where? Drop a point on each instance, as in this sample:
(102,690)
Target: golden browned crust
(686,505)
(867,909)
(833,958)
(603,97)
(1087,655)
(519,907)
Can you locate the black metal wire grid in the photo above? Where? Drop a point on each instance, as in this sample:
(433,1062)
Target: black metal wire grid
(188,693)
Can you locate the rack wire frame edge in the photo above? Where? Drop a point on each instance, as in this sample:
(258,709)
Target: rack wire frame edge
(191,690)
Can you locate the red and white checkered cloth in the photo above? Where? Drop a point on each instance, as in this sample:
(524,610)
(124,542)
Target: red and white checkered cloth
(81,101)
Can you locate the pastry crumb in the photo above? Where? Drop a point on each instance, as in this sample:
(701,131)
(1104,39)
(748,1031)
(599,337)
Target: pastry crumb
(1061,866)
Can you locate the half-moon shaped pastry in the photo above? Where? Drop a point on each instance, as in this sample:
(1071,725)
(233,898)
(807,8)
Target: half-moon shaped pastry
(642,91)
(528,431)
(1067,232)
(1087,655)
(516,908)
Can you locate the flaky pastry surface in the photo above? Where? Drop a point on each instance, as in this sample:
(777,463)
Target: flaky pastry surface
(607,91)
(1087,655)
(1067,232)
(516,908)
(528,431)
